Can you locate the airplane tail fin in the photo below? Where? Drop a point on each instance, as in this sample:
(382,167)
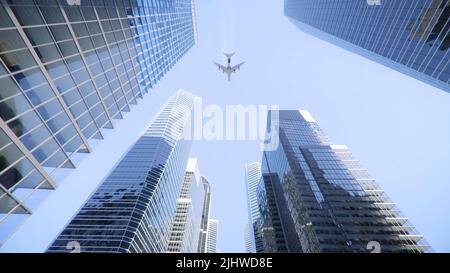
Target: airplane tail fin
(229,55)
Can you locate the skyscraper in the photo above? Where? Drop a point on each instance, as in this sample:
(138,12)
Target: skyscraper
(318,198)
(248,240)
(268,226)
(134,208)
(211,241)
(412,36)
(205,217)
(252,178)
(66,73)
(192,205)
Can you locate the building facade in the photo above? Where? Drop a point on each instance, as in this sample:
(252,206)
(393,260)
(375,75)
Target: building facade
(411,36)
(268,226)
(211,240)
(248,244)
(192,207)
(252,178)
(317,198)
(133,209)
(205,217)
(66,73)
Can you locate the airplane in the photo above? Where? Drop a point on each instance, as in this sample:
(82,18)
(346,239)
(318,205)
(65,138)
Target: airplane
(229,69)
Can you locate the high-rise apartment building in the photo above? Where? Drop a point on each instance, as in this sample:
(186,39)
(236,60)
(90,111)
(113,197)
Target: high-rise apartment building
(67,71)
(411,36)
(316,197)
(211,240)
(134,207)
(192,205)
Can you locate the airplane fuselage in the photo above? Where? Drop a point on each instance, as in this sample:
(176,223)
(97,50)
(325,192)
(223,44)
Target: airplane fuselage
(229,69)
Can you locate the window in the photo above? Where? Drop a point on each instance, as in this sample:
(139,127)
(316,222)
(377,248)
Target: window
(52,14)
(18,60)
(13,107)
(28,15)
(61,33)
(7,88)
(13,42)
(38,35)
(4,18)
(48,53)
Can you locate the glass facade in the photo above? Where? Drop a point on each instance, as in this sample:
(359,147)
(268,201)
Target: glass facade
(268,226)
(133,209)
(325,200)
(66,73)
(411,36)
(192,204)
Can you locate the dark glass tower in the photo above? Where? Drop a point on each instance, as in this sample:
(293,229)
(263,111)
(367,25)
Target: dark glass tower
(66,73)
(134,208)
(268,227)
(317,198)
(411,36)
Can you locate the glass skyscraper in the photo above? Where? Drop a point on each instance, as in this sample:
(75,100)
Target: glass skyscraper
(187,234)
(315,197)
(411,36)
(268,226)
(133,209)
(66,73)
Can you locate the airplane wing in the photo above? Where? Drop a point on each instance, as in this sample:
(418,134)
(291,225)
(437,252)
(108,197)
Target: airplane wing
(221,67)
(236,67)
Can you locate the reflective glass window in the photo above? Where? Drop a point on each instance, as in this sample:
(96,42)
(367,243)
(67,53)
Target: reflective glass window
(35,137)
(61,33)
(57,69)
(16,173)
(73,13)
(5,21)
(13,42)
(65,83)
(52,14)
(24,123)
(80,30)
(13,106)
(28,15)
(30,78)
(18,60)
(38,35)
(9,155)
(58,122)
(49,109)
(88,13)
(44,151)
(48,53)
(4,139)
(32,180)
(68,48)
(40,94)
(8,88)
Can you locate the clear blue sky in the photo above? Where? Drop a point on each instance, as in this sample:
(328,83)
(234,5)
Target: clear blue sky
(398,127)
